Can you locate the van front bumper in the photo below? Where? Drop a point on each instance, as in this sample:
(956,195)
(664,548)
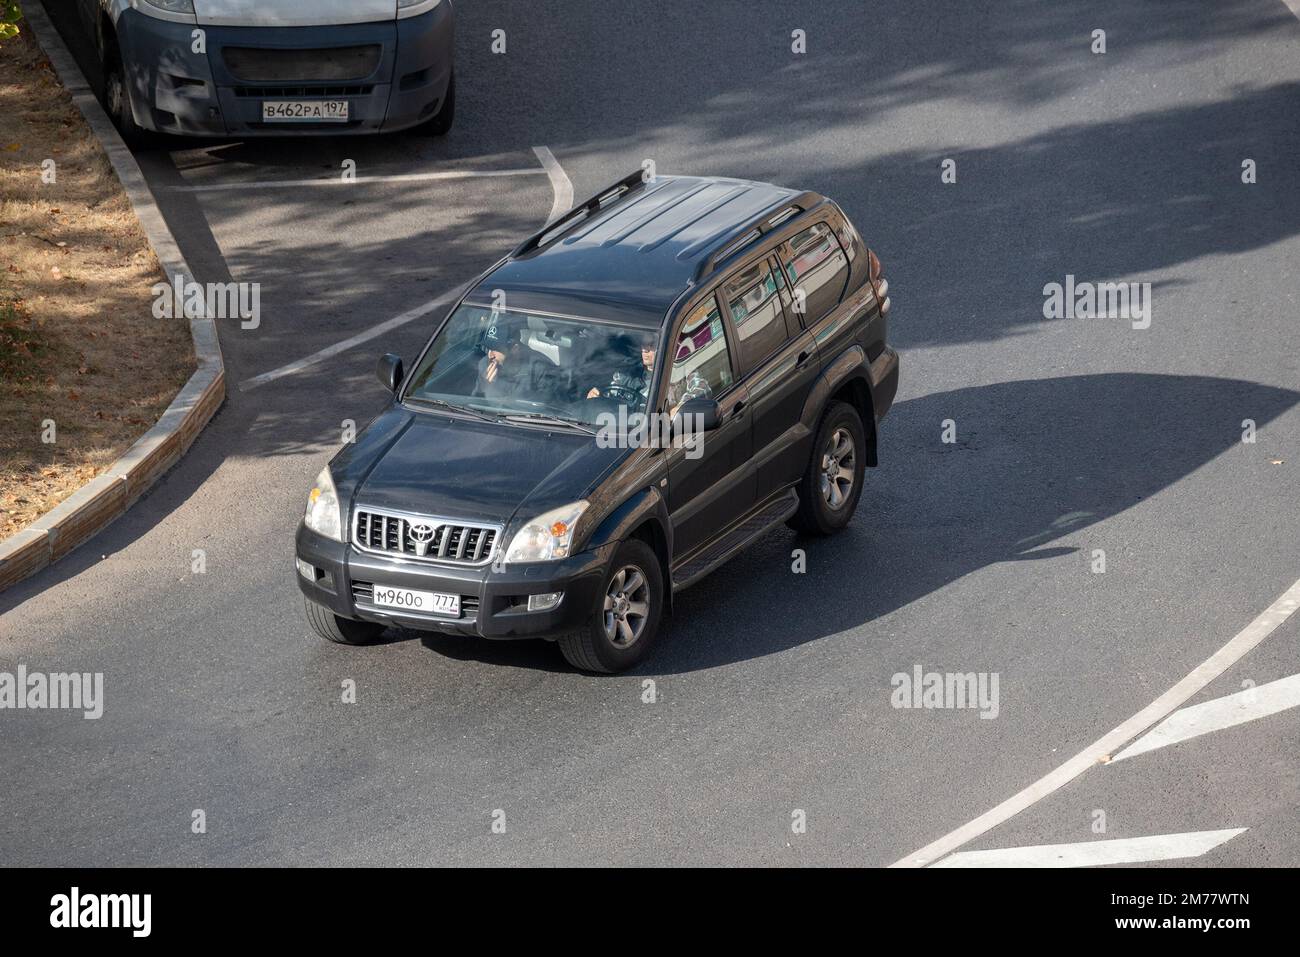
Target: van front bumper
(493,599)
(175,89)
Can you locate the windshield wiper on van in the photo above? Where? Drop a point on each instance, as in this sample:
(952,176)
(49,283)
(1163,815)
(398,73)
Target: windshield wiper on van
(463,409)
(542,419)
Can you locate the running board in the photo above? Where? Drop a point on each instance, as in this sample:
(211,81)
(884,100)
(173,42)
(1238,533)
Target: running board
(750,530)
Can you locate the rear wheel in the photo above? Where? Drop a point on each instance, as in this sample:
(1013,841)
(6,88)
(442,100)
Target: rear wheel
(830,488)
(343,631)
(625,625)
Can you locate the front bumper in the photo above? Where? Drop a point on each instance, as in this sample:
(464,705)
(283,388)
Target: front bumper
(493,600)
(177,90)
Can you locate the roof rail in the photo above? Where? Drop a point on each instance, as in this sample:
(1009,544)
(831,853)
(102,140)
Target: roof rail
(752,231)
(612,193)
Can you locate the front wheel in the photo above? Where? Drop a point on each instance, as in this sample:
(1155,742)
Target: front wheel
(343,631)
(830,488)
(440,123)
(117,101)
(626,622)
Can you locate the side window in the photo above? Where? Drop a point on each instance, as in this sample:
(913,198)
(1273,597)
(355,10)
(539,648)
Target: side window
(751,295)
(816,265)
(701,362)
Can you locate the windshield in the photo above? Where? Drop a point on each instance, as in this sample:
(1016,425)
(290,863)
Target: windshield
(511,363)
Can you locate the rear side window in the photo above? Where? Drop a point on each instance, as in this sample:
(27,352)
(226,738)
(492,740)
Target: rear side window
(816,265)
(756,312)
(701,362)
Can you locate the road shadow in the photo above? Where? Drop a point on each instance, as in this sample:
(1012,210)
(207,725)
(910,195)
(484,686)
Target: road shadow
(1037,461)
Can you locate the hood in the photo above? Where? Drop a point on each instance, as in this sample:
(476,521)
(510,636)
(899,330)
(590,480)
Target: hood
(292,13)
(478,471)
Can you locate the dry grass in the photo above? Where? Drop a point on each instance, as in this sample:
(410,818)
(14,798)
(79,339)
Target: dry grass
(78,340)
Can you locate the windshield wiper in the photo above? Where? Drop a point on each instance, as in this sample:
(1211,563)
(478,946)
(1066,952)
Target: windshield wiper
(542,419)
(444,404)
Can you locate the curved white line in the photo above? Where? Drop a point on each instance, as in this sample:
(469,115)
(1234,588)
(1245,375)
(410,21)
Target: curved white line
(1202,675)
(561,186)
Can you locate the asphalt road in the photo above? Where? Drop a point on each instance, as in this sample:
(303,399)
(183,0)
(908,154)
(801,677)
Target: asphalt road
(773,688)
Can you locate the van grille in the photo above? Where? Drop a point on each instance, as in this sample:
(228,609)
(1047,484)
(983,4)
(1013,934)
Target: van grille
(260,65)
(423,539)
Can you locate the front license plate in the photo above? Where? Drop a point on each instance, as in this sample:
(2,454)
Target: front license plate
(427,602)
(304,111)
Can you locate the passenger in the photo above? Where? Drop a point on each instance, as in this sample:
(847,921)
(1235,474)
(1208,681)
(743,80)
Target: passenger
(497,375)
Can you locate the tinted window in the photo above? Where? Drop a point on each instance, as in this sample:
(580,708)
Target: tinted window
(756,312)
(817,265)
(701,363)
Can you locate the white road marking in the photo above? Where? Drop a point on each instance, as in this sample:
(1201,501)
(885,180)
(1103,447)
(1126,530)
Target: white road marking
(1218,714)
(562,200)
(359,181)
(1162,707)
(411,314)
(1293,6)
(561,186)
(1128,850)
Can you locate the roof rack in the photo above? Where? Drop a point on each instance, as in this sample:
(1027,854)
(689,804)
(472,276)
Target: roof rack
(751,232)
(612,193)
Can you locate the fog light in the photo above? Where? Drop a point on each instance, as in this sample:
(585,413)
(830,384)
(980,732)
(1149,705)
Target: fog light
(305,570)
(544,602)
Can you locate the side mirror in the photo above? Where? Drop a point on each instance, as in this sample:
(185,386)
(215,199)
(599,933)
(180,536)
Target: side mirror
(697,415)
(389,371)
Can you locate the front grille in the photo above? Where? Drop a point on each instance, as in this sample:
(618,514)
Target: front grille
(260,65)
(365,592)
(268,92)
(423,539)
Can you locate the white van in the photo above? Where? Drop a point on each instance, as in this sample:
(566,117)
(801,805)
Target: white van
(241,68)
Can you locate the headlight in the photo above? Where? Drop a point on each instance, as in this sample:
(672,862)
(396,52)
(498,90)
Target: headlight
(413,8)
(172,6)
(547,537)
(323,514)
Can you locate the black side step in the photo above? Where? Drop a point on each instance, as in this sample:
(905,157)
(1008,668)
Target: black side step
(751,529)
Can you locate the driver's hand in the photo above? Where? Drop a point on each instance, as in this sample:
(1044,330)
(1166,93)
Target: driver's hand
(495,359)
(593,394)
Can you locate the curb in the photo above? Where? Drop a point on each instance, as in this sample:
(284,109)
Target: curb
(96,504)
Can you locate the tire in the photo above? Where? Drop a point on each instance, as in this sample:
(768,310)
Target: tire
(117,101)
(817,514)
(592,648)
(343,631)
(441,122)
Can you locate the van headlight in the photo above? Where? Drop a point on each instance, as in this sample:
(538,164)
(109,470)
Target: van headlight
(413,8)
(323,514)
(548,537)
(183,7)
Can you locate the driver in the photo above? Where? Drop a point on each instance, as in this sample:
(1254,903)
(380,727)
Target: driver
(631,384)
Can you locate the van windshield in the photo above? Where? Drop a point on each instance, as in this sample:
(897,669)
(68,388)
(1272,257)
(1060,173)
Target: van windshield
(515,363)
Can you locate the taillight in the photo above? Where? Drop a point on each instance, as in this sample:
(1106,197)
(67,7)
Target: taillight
(873,266)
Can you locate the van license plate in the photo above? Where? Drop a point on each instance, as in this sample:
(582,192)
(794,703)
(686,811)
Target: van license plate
(304,111)
(428,602)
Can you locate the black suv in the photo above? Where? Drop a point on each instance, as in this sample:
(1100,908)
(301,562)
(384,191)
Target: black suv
(640,390)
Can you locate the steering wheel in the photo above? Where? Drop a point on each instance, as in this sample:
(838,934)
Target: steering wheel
(621,393)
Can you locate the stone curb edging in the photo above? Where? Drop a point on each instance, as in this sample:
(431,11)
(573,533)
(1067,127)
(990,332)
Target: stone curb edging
(97,503)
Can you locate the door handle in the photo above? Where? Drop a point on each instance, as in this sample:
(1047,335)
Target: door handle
(738,409)
(803,357)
